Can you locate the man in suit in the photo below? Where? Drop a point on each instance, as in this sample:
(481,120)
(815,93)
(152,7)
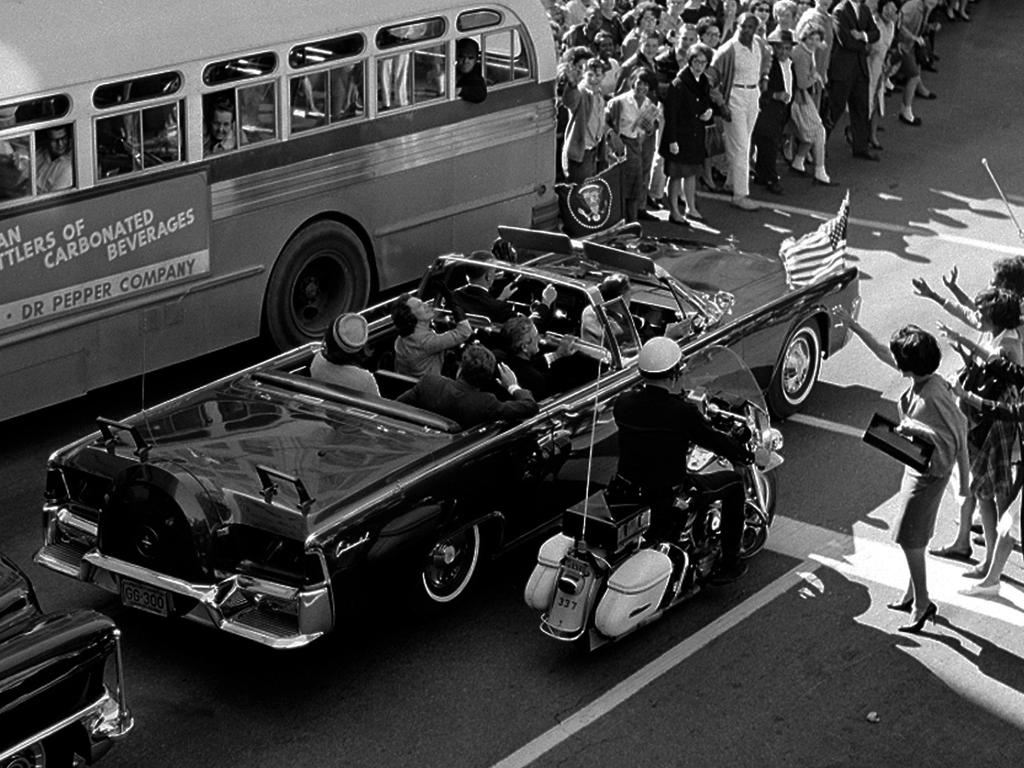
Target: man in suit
(465,400)
(774,114)
(848,73)
(475,296)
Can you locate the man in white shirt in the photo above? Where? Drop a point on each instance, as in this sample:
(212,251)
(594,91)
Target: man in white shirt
(737,74)
(774,113)
(54,166)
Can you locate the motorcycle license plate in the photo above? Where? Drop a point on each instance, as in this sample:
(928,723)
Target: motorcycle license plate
(145,598)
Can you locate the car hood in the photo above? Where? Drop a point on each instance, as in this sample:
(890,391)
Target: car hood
(222,433)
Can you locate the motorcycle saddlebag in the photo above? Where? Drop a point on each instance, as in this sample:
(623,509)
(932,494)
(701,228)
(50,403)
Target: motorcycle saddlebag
(634,592)
(541,586)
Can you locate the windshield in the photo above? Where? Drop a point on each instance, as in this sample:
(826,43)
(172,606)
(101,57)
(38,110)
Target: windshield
(720,373)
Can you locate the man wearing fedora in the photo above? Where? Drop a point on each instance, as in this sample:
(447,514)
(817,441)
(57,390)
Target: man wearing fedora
(774,114)
(339,361)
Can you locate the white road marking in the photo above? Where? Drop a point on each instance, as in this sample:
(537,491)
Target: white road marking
(921,230)
(830,426)
(866,556)
(643,677)
(982,244)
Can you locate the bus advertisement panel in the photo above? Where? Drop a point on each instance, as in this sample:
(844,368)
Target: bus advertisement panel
(96,251)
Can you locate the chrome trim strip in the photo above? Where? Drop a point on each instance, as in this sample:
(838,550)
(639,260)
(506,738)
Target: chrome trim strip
(391,156)
(95,708)
(47,560)
(71,520)
(203,592)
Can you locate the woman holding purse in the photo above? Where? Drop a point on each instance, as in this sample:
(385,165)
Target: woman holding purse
(810,131)
(929,411)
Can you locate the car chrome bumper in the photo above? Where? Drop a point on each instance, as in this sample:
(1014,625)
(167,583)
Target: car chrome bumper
(105,720)
(273,614)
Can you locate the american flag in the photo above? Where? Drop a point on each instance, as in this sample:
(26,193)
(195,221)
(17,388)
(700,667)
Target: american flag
(819,253)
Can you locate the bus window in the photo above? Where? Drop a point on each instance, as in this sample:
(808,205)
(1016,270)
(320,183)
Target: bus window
(138,140)
(505,58)
(136,89)
(478,19)
(328,96)
(257,113)
(55,164)
(18,148)
(242,68)
(15,159)
(397,87)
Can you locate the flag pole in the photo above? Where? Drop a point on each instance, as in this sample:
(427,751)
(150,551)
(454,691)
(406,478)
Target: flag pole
(1009,210)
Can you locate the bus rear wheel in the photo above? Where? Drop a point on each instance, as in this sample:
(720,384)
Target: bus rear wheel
(321,273)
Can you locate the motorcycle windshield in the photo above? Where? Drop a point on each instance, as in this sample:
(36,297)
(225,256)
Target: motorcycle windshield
(721,374)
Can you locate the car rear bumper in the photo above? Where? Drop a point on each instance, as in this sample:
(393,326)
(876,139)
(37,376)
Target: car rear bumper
(267,612)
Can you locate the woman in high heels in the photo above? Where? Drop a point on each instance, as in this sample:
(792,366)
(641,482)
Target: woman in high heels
(927,410)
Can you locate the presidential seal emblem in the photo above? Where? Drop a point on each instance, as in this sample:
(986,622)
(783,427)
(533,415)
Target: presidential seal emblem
(590,204)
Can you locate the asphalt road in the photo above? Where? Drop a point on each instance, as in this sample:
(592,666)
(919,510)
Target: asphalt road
(781,669)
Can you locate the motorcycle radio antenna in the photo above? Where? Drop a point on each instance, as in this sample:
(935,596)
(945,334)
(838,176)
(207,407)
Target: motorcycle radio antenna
(593,438)
(1009,210)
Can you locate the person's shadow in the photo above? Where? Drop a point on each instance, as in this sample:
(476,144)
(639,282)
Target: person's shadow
(992,661)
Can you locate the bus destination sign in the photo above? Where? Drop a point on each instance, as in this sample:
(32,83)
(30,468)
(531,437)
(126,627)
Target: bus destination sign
(106,248)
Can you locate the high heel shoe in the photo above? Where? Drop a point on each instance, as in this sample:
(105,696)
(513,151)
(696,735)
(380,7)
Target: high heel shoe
(904,607)
(915,627)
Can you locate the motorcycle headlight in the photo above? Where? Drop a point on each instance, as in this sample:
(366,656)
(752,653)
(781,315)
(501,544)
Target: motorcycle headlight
(773,440)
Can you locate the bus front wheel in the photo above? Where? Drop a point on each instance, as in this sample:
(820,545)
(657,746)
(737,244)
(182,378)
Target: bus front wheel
(321,273)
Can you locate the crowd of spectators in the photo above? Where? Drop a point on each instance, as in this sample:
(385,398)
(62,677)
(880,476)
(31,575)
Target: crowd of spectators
(721,93)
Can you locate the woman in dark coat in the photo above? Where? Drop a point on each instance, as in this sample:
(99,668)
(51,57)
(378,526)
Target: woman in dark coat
(687,113)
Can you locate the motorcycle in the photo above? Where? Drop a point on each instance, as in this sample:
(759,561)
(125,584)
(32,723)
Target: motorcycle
(609,571)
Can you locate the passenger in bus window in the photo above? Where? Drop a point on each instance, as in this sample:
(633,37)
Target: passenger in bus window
(469,80)
(15,161)
(55,166)
(219,133)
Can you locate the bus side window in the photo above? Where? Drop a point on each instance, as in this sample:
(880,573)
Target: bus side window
(393,82)
(347,92)
(309,101)
(15,165)
(430,66)
(161,139)
(505,58)
(257,113)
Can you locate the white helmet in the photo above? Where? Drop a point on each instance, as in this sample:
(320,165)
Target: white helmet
(658,356)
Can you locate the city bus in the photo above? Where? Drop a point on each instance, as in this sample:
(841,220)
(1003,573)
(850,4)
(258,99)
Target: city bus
(183,178)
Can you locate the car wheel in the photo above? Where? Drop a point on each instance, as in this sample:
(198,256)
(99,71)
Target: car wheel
(756,536)
(450,566)
(322,272)
(797,372)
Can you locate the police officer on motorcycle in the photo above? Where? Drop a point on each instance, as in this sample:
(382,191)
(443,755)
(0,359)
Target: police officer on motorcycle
(656,425)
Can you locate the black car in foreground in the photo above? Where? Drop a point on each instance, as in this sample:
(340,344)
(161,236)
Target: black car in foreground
(266,502)
(62,695)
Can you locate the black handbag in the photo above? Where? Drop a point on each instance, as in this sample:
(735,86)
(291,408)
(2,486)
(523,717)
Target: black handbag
(915,452)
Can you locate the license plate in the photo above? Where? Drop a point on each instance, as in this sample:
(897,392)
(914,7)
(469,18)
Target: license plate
(145,597)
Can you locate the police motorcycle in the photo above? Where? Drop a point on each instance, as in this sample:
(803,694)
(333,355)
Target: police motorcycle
(609,571)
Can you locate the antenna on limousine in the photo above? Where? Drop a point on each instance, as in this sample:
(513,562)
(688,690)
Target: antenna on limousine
(593,439)
(1009,210)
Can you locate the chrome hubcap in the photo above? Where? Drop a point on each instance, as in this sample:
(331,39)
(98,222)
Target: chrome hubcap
(30,757)
(797,366)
